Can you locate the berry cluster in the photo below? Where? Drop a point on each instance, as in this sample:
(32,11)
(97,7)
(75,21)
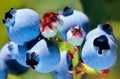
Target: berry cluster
(37,43)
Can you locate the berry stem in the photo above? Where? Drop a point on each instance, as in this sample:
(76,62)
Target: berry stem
(75,62)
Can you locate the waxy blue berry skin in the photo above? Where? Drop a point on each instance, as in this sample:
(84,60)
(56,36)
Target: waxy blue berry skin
(44,56)
(102,29)
(3,70)
(72,18)
(65,65)
(10,56)
(22,25)
(99,50)
(21,55)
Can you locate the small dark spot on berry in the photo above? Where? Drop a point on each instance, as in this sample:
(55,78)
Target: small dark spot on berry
(102,43)
(3,21)
(67,11)
(30,60)
(8,15)
(11,8)
(70,68)
(66,8)
(107,28)
(56,72)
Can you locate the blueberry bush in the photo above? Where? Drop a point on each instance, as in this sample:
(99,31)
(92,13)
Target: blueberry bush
(59,40)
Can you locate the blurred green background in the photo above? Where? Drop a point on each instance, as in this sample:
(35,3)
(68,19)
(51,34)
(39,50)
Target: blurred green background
(98,11)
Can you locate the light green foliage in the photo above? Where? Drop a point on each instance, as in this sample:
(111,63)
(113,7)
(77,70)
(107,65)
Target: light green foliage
(97,11)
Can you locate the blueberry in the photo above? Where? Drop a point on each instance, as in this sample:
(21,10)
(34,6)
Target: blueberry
(65,65)
(44,56)
(22,25)
(72,20)
(10,54)
(99,50)
(75,35)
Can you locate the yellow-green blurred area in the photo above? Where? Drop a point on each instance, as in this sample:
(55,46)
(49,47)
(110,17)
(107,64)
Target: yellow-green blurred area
(98,11)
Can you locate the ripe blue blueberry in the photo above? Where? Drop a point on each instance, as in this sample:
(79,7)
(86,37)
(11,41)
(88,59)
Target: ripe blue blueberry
(65,65)
(44,56)
(72,18)
(22,25)
(10,55)
(99,50)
